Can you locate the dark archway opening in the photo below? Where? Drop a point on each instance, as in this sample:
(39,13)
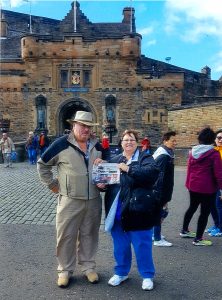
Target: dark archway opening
(68,112)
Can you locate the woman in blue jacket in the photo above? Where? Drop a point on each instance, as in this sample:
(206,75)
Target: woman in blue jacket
(138,173)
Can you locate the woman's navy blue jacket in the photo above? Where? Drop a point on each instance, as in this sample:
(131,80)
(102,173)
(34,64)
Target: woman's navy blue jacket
(142,173)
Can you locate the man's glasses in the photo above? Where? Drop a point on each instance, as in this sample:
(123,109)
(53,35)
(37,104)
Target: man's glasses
(129,140)
(219,138)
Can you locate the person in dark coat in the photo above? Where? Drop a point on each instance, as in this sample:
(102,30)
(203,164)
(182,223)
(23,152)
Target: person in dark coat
(164,157)
(43,142)
(146,145)
(138,171)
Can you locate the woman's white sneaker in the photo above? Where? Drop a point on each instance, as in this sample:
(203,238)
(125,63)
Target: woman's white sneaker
(116,280)
(147,284)
(162,243)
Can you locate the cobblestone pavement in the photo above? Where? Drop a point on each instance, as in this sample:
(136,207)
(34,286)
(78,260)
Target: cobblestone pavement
(27,251)
(23,199)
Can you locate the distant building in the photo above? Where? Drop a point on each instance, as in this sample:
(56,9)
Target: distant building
(50,73)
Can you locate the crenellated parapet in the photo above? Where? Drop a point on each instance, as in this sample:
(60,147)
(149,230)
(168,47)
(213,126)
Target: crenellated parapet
(73,46)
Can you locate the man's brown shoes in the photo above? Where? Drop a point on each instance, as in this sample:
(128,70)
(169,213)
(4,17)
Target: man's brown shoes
(92,277)
(63,279)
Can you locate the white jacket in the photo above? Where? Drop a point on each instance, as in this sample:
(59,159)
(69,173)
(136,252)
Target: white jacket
(7,145)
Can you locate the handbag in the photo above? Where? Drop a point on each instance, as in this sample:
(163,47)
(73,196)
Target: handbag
(144,201)
(13,156)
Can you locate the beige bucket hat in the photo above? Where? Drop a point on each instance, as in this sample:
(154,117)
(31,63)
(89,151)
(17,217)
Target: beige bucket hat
(83,117)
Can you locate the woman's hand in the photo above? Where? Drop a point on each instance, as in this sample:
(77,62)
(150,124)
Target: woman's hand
(101,186)
(123,167)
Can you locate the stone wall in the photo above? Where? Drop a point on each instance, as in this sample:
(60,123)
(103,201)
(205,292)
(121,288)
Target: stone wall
(188,121)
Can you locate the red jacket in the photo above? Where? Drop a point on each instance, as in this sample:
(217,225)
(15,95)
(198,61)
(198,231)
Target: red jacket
(204,172)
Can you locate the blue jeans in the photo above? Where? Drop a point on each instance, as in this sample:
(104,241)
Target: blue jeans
(157,229)
(7,159)
(219,210)
(142,244)
(216,211)
(42,150)
(32,153)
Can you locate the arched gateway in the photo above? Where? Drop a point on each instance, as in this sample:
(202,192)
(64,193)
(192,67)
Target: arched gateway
(67,110)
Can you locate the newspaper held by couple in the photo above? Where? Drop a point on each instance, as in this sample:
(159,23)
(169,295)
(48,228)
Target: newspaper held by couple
(107,173)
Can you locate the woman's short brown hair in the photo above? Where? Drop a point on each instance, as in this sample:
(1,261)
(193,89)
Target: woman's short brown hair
(130,132)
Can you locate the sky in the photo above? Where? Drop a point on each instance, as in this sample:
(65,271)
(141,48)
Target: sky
(187,32)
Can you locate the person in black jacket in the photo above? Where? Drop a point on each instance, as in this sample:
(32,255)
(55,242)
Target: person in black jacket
(164,157)
(138,173)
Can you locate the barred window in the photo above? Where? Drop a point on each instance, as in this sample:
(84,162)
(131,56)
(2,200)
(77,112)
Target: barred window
(64,78)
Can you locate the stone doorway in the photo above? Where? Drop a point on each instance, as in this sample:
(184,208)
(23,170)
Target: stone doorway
(68,110)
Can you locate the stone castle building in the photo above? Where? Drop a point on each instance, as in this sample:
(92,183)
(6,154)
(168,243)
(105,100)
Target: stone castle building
(50,68)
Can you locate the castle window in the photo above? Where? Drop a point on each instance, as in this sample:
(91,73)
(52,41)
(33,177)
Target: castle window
(148,117)
(86,78)
(40,103)
(64,78)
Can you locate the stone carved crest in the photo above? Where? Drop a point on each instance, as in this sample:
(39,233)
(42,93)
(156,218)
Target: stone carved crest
(76,78)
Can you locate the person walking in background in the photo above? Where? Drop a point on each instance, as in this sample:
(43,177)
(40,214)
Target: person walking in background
(79,202)
(31,146)
(66,131)
(164,158)
(43,142)
(105,141)
(145,145)
(7,146)
(216,209)
(204,179)
(138,172)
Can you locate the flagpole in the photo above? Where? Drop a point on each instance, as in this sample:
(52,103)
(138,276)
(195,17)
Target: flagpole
(30,17)
(131,17)
(74,15)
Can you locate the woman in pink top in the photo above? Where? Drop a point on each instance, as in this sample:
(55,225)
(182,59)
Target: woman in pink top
(204,179)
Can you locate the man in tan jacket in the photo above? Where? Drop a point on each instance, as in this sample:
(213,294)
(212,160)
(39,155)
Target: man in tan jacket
(7,146)
(79,202)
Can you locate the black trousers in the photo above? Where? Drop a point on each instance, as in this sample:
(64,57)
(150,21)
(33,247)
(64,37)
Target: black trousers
(205,202)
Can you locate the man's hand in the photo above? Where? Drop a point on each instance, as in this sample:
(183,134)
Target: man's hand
(98,161)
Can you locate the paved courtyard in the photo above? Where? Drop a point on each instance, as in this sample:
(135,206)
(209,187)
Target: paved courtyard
(27,250)
(23,199)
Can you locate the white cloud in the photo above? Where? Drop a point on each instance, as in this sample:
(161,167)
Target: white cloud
(146,30)
(17,3)
(200,30)
(200,17)
(217,62)
(151,43)
(141,7)
(14,3)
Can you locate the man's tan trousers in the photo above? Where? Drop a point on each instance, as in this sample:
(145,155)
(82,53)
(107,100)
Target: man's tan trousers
(77,225)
